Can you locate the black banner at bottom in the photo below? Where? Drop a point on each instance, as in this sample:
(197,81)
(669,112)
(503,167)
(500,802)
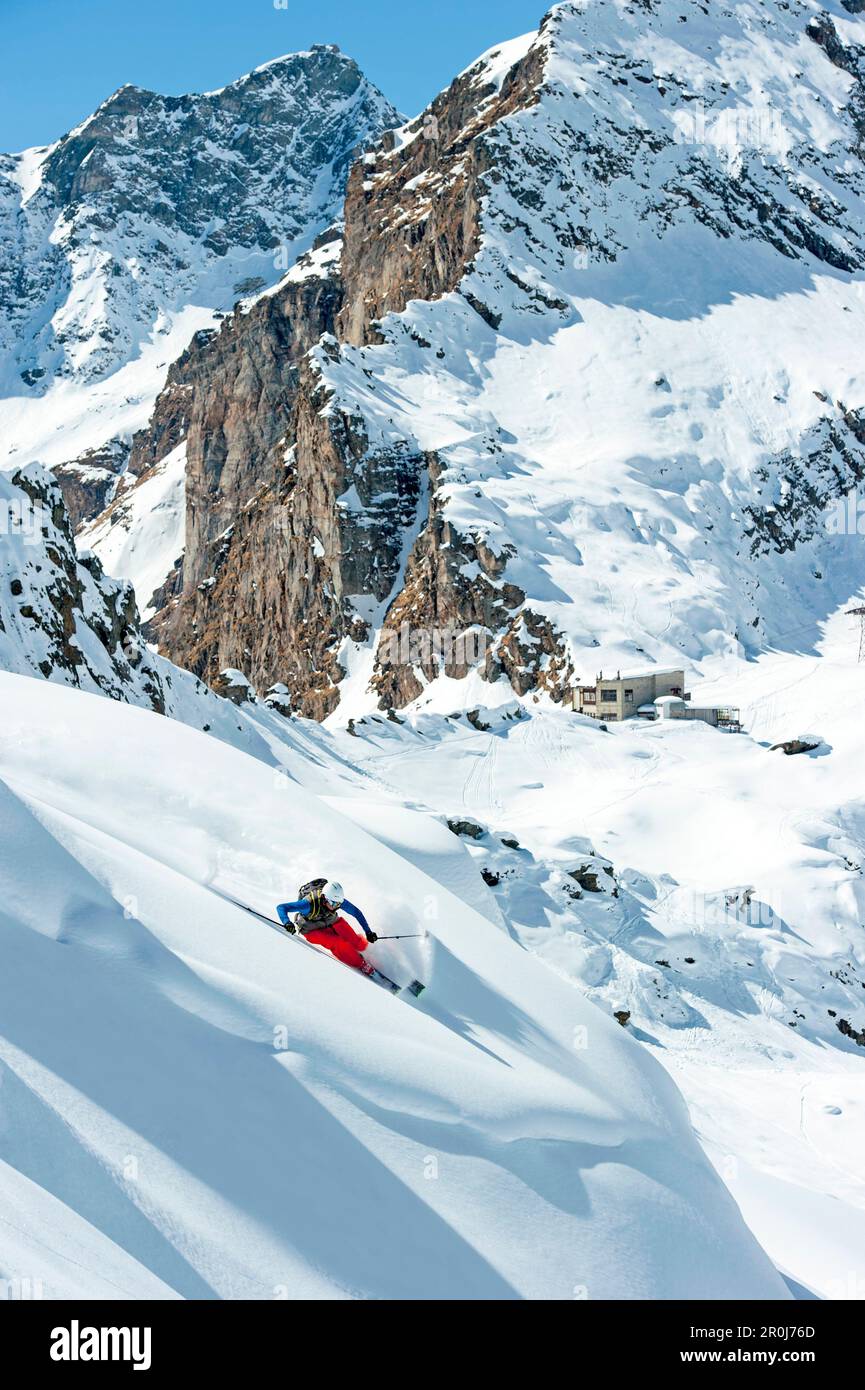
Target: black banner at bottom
(164,1338)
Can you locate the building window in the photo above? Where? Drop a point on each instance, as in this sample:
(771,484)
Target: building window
(589,697)
(629,695)
(608,697)
(675,690)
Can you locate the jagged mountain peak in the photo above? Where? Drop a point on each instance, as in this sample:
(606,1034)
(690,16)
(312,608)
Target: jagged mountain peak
(155,203)
(322,67)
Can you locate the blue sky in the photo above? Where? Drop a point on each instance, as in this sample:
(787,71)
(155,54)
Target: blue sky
(60,58)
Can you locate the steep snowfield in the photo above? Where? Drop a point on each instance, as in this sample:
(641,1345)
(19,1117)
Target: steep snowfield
(193,1105)
(142,534)
(719,898)
(617,456)
(74,416)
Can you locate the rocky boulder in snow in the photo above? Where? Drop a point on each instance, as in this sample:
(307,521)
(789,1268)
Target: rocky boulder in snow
(233,686)
(792,747)
(468,828)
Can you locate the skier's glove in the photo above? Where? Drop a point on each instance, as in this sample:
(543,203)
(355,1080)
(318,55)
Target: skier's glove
(371,938)
(290,928)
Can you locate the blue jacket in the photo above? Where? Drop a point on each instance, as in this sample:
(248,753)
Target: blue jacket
(303,908)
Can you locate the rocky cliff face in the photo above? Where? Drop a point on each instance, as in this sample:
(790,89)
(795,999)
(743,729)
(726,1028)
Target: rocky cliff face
(297,528)
(586,318)
(413,207)
(267,536)
(61,616)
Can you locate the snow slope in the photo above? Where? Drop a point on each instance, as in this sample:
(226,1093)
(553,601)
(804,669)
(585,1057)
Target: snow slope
(143,532)
(75,416)
(707,885)
(193,1105)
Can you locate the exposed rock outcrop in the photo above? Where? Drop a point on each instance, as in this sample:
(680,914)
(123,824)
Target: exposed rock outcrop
(413,206)
(61,617)
(829,464)
(233,686)
(289,512)
(88,482)
(466,828)
(856,1035)
(795,746)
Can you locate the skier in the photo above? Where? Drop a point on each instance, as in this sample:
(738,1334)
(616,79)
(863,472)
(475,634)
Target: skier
(318,917)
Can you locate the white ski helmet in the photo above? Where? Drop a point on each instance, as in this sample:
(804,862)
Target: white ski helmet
(334,894)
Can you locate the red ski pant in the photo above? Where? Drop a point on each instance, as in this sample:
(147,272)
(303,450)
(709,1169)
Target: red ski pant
(342,941)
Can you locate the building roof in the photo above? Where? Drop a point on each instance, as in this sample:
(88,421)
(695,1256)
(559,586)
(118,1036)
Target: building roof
(642,676)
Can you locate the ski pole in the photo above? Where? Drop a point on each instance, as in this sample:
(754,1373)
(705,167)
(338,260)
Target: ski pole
(419,936)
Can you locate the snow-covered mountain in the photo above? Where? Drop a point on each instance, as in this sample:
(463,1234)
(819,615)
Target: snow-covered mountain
(590,384)
(576,375)
(152,216)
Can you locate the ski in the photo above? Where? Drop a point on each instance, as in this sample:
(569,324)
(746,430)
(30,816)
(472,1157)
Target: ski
(235,902)
(379,978)
(415,989)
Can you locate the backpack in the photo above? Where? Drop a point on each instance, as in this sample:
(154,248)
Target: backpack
(321,915)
